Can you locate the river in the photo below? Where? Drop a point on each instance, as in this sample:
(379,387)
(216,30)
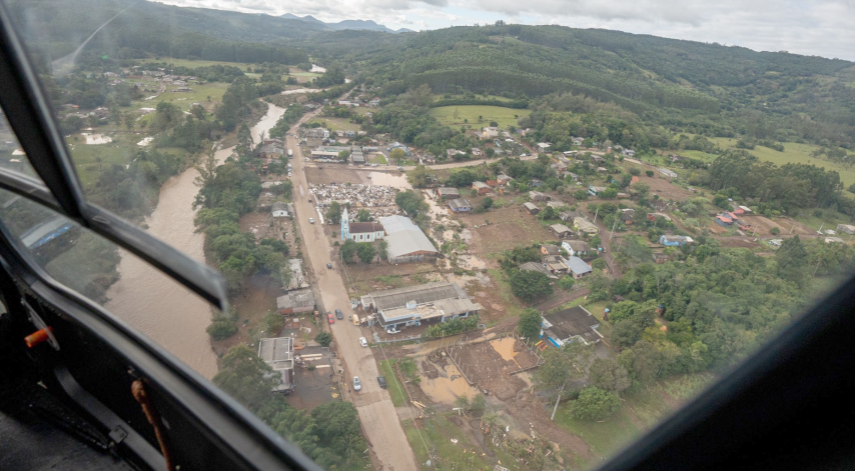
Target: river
(160,308)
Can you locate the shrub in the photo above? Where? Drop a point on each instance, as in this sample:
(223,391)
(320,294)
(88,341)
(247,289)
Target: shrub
(595,404)
(221,329)
(775,231)
(649,173)
(635,171)
(324,339)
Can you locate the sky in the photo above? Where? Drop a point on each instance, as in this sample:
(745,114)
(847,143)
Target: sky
(812,27)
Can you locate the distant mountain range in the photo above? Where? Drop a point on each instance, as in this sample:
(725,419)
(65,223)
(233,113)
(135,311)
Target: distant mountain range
(369,25)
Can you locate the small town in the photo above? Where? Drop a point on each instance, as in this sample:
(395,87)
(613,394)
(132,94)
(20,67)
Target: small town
(489,247)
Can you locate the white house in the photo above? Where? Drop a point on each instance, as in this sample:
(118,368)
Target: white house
(280,210)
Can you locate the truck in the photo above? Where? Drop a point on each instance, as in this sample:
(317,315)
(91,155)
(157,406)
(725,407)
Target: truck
(290,154)
(355,319)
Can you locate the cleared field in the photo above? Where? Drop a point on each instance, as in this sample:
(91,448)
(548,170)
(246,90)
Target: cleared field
(509,226)
(793,153)
(455,115)
(337,124)
(197,63)
(198,94)
(91,160)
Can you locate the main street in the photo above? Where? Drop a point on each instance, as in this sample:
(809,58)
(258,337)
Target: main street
(380,422)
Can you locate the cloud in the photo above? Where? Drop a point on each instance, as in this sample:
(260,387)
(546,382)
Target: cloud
(815,27)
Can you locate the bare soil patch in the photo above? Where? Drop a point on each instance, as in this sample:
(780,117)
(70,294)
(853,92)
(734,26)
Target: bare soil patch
(509,226)
(483,365)
(764,225)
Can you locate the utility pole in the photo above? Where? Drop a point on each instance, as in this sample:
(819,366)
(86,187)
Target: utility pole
(555,409)
(791,229)
(595,215)
(613,230)
(817,268)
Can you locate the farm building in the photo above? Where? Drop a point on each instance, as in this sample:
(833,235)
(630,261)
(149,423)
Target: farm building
(578,267)
(846,229)
(278,353)
(407,242)
(668,173)
(460,205)
(531,208)
(570,325)
(583,225)
(675,240)
(295,302)
(561,230)
(538,196)
(447,193)
(412,305)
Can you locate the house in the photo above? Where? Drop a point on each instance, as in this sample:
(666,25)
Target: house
(271,149)
(561,230)
(556,204)
(655,216)
(452,152)
(622,196)
(597,159)
(503,179)
(668,173)
(374,102)
(627,215)
(675,240)
(846,229)
(406,241)
(602,170)
(724,220)
(578,267)
(577,141)
(570,325)
(538,267)
(477,152)
(357,158)
(576,248)
(278,353)
(543,146)
(295,302)
(490,132)
(480,187)
(317,133)
(550,249)
(628,152)
(568,216)
(398,145)
(829,240)
(492,183)
(279,210)
(584,225)
(596,190)
(747,210)
(460,205)
(560,168)
(410,306)
(536,183)
(775,243)
(447,193)
(573,176)
(531,208)
(556,265)
(538,196)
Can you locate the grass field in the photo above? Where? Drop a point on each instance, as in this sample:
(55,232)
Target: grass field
(793,153)
(829,219)
(86,157)
(455,115)
(435,433)
(337,124)
(197,63)
(396,389)
(377,158)
(184,100)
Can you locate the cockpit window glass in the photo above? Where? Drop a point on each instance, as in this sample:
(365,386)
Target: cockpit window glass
(12,155)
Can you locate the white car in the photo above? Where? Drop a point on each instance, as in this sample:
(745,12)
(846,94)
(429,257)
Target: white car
(311,220)
(363,342)
(393,331)
(357,385)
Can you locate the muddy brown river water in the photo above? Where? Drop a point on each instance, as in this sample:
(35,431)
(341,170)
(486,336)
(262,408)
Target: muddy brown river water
(160,308)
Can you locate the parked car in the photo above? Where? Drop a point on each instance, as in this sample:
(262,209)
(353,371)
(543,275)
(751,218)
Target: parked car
(331,318)
(382,381)
(357,385)
(393,331)
(338,314)
(355,319)
(310,200)
(311,220)
(363,342)
(400,169)
(329,265)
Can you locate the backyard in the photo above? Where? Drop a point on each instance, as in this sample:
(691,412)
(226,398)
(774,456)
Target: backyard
(468,115)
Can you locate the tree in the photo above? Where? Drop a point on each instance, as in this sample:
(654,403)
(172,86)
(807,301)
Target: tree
(398,155)
(366,251)
(642,190)
(462,402)
(649,173)
(595,404)
(383,249)
(494,124)
(334,213)
(608,374)
(566,283)
(792,259)
(410,202)
(530,285)
(562,365)
(273,323)
(363,215)
(775,230)
(347,251)
(221,329)
(529,323)
(245,377)
(478,404)
(547,213)
(419,177)
(343,155)
(324,339)
(485,205)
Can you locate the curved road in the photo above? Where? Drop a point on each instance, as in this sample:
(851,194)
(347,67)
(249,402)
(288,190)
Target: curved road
(380,422)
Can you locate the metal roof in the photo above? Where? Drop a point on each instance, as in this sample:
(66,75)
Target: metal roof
(297,298)
(569,323)
(421,294)
(578,266)
(404,237)
(277,352)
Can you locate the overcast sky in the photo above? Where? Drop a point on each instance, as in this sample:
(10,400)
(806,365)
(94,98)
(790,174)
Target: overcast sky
(811,27)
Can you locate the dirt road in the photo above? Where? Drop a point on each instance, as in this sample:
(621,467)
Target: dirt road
(380,422)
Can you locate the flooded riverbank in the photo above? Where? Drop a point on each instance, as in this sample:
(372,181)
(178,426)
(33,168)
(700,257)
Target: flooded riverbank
(164,311)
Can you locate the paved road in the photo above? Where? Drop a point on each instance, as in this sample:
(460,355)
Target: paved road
(379,419)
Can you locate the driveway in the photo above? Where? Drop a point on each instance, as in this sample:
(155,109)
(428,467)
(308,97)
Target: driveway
(380,422)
